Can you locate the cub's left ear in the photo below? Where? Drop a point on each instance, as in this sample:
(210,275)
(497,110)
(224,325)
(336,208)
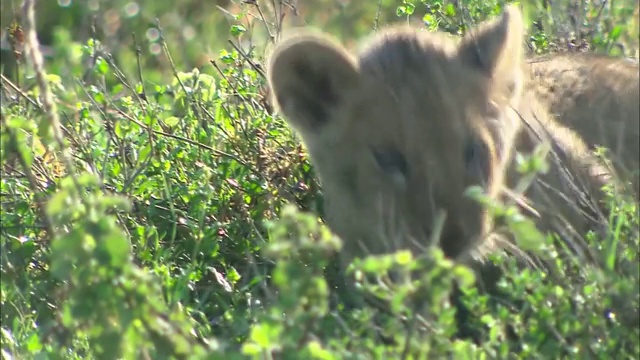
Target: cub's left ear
(496,46)
(311,76)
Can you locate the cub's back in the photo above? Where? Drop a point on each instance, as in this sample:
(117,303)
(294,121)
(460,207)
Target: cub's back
(599,98)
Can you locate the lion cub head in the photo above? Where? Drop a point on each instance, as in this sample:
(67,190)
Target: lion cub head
(400,131)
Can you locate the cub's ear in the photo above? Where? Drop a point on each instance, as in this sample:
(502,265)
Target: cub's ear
(496,47)
(309,76)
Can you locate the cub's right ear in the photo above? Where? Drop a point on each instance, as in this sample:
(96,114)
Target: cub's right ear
(309,76)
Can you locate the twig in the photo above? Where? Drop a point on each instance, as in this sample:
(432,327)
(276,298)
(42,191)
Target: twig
(255,66)
(376,20)
(20,92)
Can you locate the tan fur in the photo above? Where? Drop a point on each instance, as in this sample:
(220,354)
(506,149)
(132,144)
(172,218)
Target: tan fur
(599,98)
(400,131)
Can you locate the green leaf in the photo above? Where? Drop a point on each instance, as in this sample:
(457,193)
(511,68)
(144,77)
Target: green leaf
(409,9)
(102,66)
(450,10)
(172,121)
(615,33)
(465,276)
(54,79)
(88,179)
(64,251)
(45,131)
(117,246)
(237,30)
(116,202)
(264,335)
(143,155)
(33,343)
(118,130)
(58,202)
(404,257)
(317,352)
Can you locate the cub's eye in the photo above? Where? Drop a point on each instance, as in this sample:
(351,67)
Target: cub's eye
(393,164)
(470,152)
(476,159)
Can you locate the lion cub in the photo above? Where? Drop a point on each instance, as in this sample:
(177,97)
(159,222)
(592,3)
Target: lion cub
(599,98)
(398,132)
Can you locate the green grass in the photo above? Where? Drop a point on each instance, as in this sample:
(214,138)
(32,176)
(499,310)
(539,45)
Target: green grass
(151,208)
